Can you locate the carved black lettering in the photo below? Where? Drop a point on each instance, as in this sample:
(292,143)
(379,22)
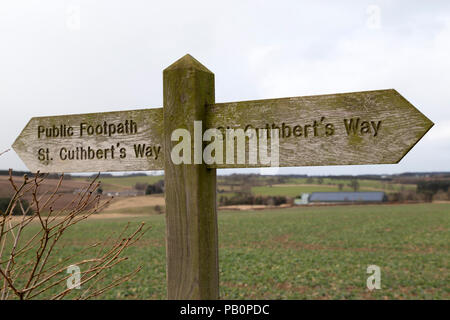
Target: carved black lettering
(285,130)
(329,129)
(376,127)
(297,131)
(351,126)
(123,153)
(365,127)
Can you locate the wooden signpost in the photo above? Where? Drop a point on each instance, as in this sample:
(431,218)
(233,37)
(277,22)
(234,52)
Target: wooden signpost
(371,127)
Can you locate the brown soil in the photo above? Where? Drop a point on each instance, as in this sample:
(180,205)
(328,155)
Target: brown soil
(135,202)
(244,207)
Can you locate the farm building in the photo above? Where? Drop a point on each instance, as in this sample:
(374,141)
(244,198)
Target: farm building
(303,200)
(126,193)
(374,196)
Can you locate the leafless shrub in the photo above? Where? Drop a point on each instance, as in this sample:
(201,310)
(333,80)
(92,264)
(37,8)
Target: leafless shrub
(140,186)
(158,209)
(31,260)
(441,196)
(406,196)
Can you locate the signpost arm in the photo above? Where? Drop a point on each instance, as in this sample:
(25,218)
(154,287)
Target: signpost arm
(190,189)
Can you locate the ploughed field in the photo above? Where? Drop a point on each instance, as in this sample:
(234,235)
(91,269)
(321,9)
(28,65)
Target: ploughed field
(298,253)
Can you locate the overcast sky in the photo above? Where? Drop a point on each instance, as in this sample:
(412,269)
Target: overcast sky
(64,57)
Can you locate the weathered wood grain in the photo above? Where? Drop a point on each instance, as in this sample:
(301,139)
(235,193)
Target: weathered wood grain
(395,126)
(314,131)
(401,127)
(149,123)
(190,190)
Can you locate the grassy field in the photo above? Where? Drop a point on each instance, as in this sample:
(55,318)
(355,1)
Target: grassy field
(296,190)
(121,183)
(365,184)
(301,253)
(294,187)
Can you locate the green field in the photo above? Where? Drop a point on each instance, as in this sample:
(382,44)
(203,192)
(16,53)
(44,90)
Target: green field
(296,191)
(302,253)
(120,183)
(294,187)
(365,184)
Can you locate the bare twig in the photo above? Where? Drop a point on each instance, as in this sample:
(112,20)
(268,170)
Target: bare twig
(3,152)
(25,266)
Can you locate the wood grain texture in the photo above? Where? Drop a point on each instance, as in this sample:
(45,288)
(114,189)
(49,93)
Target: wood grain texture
(190,190)
(401,127)
(394,127)
(149,124)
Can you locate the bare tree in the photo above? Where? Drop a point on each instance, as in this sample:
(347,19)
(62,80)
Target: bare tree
(32,260)
(140,186)
(354,184)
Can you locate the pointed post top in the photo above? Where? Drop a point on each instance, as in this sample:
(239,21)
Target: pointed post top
(187,62)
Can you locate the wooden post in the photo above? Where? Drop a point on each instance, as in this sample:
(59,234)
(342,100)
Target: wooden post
(190,189)
(369,127)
